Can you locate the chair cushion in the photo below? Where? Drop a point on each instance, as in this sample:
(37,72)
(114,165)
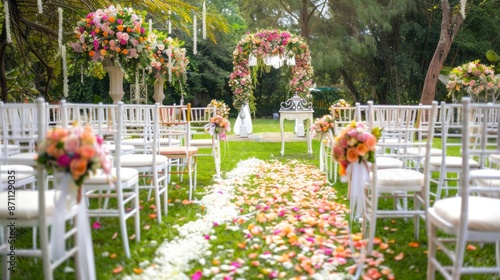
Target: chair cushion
(178,150)
(26,204)
(486,182)
(452,162)
(484,212)
(388,162)
(99,178)
(26,156)
(137,160)
(201,142)
(20,172)
(399,177)
(421,151)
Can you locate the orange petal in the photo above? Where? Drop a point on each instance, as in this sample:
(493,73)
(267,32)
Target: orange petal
(112,256)
(152,216)
(377,240)
(118,269)
(152,206)
(137,270)
(399,256)
(242,245)
(471,247)
(383,246)
(414,244)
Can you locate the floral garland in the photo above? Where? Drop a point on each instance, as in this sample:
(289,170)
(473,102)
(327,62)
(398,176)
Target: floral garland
(169,59)
(260,45)
(114,33)
(475,80)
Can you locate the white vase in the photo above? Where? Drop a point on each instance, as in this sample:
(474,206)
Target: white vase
(158,94)
(115,80)
(243,127)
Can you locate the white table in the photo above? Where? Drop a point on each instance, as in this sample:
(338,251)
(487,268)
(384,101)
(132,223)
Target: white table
(299,115)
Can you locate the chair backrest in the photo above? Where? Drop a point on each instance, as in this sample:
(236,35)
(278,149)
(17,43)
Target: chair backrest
(175,123)
(345,115)
(479,142)
(402,129)
(200,116)
(19,125)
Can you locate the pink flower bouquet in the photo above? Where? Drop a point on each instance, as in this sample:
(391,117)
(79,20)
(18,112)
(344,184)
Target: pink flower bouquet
(77,151)
(218,125)
(322,125)
(355,144)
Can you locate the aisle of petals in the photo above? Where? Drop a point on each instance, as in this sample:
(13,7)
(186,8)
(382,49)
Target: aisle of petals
(281,218)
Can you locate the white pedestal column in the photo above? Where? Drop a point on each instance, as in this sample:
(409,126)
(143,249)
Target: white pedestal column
(115,82)
(158,94)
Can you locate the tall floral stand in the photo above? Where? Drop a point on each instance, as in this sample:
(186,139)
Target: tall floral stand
(243,127)
(115,80)
(158,94)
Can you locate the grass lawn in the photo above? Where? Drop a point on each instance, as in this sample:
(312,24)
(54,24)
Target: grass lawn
(108,251)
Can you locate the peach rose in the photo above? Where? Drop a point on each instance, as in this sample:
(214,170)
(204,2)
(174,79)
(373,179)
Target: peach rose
(78,167)
(86,151)
(362,149)
(54,151)
(352,155)
(370,142)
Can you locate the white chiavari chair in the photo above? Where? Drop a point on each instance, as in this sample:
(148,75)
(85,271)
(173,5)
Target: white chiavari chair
(150,164)
(473,215)
(35,208)
(123,184)
(398,184)
(176,123)
(200,116)
(449,163)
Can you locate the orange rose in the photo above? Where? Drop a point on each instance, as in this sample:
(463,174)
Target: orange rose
(120,28)
(352,155)
(118,50)
(86,151)
(129,30)
(103,52)
(97,30)
(78,167)
(111,19)
(91,53)
(124,51)
(54,151)
(362,149)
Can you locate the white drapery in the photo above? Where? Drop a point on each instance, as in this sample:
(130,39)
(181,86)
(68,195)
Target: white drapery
(247,121)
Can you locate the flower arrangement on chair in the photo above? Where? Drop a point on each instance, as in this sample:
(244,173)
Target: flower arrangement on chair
(221,108)
(76,151)
(355,144)
(475,80)
(339,103)
(113,33)
(322,125)
(218,125)
(353,148)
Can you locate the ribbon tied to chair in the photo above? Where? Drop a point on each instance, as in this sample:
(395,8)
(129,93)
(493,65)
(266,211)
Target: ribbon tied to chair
(67,197)
(357,176)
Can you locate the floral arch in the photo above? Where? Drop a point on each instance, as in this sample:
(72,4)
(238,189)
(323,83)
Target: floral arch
(268,48)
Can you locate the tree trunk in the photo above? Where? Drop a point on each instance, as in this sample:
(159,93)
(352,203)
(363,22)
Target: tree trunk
(350,85)
(450,25)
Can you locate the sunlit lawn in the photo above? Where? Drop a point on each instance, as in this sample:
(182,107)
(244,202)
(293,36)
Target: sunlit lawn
(108,249)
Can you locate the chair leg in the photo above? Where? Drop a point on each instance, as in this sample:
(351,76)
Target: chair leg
(497,253)
(123,224)
(137,217)
(157,198)
(431,254)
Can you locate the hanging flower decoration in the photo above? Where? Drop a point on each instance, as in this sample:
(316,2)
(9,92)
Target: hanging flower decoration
(169,60)
(355,144)
(114,33)
(475,80)
(270,48)
(338,104)
(218,125)
(322,125)
(77,151)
